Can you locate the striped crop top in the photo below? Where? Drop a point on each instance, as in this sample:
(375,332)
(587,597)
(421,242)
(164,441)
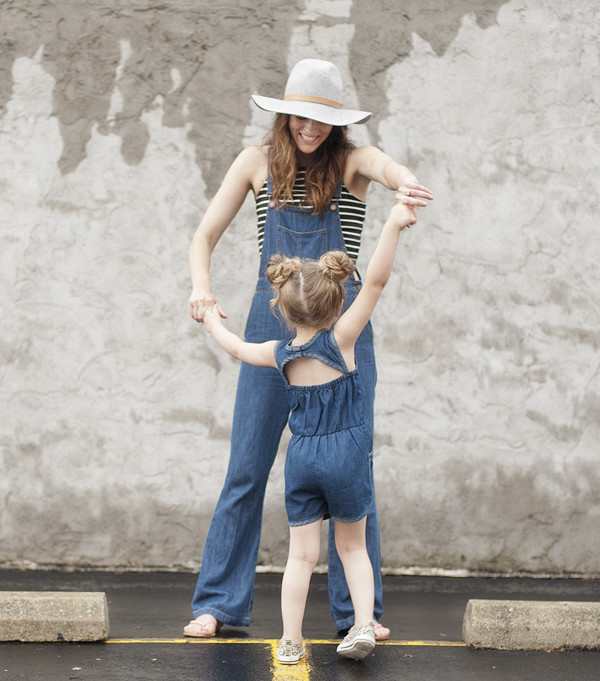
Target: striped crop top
(352,214)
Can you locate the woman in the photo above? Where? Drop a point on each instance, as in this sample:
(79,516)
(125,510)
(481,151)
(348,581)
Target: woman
(310,185)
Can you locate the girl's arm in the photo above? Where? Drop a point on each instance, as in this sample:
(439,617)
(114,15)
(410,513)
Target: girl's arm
(239,179)
(349,326)
(259,354)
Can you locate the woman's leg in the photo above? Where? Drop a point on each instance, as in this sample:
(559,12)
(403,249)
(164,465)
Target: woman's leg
(351,545)
(339,596)
(303,555)
(225,587)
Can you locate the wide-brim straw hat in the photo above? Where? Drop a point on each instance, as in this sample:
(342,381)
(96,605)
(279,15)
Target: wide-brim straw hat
(314,90)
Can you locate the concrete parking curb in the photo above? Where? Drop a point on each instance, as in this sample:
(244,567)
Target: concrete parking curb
(36,616)
(531,625)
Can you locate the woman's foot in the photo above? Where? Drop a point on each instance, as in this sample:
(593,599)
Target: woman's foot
(204,626)
(381,633)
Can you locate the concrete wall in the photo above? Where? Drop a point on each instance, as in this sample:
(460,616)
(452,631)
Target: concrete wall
(117,122)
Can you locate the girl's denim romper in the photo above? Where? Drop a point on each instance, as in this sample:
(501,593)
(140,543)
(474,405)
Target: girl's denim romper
(225,587)
(328,463)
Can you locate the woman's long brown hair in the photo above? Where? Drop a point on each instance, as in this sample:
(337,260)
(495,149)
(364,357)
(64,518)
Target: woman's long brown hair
(322,175)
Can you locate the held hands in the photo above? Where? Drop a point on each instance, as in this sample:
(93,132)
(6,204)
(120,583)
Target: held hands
(200,301)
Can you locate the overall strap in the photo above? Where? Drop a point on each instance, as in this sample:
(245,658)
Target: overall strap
(269,178)
(338,190)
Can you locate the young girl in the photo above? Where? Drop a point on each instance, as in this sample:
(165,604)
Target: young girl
(328,465)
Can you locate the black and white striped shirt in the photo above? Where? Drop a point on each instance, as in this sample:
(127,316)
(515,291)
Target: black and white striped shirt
(351,210)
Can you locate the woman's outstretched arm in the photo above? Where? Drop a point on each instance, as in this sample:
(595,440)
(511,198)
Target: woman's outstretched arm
(370,164)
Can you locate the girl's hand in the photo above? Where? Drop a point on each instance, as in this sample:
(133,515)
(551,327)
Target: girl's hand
(212,316)
(200,301)
(402,215)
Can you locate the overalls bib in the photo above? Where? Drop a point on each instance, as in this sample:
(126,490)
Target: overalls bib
(225,585)
(294,232)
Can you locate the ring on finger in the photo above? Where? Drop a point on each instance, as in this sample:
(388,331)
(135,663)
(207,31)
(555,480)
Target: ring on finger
(408,192)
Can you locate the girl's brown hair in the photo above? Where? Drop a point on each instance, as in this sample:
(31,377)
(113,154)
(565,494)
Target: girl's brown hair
(322,175)
(309,292)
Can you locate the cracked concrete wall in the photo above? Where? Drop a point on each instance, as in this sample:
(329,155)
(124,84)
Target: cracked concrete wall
(117,122)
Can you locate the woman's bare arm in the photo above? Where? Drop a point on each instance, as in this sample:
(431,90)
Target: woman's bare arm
(243,175)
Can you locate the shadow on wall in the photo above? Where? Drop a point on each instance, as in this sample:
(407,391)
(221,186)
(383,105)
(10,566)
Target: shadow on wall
(188,54)
(393,37)
(191,55)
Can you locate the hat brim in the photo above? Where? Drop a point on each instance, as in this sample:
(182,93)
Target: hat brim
(317,112)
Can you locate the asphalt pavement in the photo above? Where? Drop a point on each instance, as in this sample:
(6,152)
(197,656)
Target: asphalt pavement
(148,611)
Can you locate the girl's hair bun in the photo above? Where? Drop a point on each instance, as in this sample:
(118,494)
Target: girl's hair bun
(280,269)
(336,265)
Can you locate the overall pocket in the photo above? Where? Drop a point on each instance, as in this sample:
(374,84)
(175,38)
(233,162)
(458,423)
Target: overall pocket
(301,244)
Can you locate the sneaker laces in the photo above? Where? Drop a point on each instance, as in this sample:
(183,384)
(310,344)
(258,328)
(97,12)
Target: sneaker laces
(289,648)
(363,629)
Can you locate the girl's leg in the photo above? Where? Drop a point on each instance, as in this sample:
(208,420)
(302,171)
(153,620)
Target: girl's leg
(305,543)
(352,549)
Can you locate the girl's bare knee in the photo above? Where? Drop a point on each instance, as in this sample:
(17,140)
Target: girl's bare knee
(350,538)
(307,556)
(349,549)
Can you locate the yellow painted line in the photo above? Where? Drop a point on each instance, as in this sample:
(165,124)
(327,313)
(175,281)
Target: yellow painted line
(263,641)
(432,644)
(438,644)
(275,642)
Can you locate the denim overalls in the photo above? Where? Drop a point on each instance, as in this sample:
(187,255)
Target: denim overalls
(225,587)
(329,459)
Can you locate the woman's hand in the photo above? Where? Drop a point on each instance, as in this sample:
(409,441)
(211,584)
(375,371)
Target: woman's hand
(414,195)
(200,301)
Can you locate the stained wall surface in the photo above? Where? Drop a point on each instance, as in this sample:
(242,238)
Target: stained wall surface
(117,123)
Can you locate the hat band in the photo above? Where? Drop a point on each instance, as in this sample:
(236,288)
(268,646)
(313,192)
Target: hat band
(314,100)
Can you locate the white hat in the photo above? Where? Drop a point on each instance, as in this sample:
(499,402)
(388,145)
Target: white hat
(314,90)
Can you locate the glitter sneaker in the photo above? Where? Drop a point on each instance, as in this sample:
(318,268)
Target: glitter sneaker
(359,642)
(289,653)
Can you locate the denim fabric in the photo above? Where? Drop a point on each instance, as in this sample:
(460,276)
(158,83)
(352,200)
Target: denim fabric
(327,466)
(225,586)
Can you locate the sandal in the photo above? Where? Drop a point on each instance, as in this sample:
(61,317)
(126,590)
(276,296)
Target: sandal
(381,633)
(206,629)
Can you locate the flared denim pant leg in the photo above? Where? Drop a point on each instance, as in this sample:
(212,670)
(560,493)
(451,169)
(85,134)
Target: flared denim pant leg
(339,595)
(225,587)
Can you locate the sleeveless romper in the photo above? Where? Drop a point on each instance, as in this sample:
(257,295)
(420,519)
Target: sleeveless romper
(329,457)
